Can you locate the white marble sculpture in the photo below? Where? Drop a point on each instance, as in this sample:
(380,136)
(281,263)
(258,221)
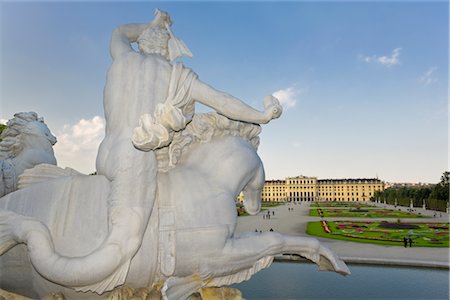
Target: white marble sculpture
(161,212)
(25,143)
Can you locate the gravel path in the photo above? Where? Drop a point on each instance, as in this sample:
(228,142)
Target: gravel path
(294,223)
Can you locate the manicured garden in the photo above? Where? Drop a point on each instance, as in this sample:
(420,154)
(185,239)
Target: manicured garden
(271,204)
(361,213)
(384,233)
(339,204)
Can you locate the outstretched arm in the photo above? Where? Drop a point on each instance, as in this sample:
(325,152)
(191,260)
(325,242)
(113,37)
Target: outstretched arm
(123,36)
(232,107)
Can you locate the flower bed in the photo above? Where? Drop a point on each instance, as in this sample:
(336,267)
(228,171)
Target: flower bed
(439,227)
(442,232)
(398,225)
(360,212)
(340,204)
(325,227)
(423,234)
(371,238)
(379,231)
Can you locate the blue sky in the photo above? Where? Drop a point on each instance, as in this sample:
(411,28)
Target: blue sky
(364,84)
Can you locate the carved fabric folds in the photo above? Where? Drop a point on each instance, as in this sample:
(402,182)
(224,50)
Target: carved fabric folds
(173,115)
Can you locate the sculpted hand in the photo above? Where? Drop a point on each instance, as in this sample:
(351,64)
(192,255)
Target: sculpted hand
(272,108)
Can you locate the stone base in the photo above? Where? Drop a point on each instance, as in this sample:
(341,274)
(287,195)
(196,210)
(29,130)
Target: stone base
(127,293)
(4,295)
(223,293)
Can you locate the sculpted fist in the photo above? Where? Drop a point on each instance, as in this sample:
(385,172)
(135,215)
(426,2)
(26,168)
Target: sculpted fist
(272,108)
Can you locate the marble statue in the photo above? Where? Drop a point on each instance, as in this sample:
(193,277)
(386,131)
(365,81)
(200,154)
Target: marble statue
(25,143)
(160,213)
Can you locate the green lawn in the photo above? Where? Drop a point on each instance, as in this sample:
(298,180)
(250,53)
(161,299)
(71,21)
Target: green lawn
(339,204)
(423,235)
(264,206)
(271,204)
(361,213)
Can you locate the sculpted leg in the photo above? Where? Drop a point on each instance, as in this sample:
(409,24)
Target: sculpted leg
(243,256)
(251,247)
(252,191)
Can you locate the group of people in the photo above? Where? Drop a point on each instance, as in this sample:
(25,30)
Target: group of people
(406,241)
(267,216)
(271,230)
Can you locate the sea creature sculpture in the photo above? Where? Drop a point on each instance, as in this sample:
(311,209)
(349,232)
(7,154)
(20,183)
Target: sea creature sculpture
(189,242)
(25,143)
(160,212)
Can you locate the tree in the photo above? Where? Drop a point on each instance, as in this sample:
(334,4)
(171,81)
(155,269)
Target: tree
(441,190)
(2,127)
(445,178)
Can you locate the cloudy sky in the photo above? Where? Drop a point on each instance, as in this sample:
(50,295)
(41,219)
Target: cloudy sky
(363,84)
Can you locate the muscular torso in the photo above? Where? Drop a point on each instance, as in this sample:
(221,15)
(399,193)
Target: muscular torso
(135,84)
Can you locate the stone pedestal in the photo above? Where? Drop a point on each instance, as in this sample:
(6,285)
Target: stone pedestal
(4,295)
(127,293)
(224,293)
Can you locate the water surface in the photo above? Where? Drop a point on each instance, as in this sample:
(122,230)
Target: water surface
(303,281)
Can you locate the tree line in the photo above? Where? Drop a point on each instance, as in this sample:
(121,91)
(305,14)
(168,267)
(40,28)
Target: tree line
(2,127)
(436,196)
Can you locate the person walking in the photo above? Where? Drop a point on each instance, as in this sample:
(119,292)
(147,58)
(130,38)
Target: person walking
(410,241)
(405,241)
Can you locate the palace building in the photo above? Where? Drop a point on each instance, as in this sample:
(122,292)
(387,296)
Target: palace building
(303,188)
(274,190)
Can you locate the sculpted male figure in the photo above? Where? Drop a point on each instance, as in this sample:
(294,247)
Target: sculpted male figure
(146,99)
(63,221)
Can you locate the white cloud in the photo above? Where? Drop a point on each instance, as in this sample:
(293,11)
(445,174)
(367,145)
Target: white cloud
(428,77)
(385,60)
(77,144)
(288,97)
(3,121)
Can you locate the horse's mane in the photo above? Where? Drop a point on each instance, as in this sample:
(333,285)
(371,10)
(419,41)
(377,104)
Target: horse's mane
(11,142)
(202,129)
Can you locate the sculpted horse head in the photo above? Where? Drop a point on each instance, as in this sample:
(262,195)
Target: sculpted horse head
(25,143)
(216,159)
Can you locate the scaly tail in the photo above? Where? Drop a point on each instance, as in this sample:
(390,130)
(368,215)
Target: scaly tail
(100,271)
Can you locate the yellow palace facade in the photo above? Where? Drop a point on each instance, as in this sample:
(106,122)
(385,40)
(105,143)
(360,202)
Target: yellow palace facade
(303,188)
